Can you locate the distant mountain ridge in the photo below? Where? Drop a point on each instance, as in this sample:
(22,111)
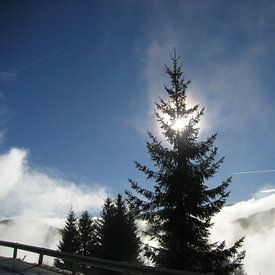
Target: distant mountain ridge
(261,221)
(31,221)
(49,233)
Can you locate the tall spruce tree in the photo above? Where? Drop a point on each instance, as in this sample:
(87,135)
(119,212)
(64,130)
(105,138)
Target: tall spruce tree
(69,240)
(117,231)
(179,207)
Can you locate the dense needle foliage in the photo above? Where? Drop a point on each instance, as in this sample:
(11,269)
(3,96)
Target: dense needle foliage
(69,240)
(179,207)
(113,236)
(117,232)
(86,231)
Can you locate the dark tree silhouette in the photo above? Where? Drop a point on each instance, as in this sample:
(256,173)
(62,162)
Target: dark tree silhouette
(117,231)
(105,232)
(69,240)
(179,207)
(86,231)
(127,242)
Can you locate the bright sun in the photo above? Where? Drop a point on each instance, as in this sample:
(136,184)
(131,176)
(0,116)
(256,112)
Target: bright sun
(180,124)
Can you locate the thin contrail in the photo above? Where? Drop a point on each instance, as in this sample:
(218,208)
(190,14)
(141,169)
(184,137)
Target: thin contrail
(254,172)
(45,57)
(8,76)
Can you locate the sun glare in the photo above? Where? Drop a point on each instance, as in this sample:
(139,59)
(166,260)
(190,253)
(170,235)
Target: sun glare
(180,124)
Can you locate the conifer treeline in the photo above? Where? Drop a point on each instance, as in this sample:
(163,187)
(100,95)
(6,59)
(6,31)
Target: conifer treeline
(113,236)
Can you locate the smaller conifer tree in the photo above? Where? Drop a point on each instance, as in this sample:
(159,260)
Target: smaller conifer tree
(69,240)
(86,233)
(117,231)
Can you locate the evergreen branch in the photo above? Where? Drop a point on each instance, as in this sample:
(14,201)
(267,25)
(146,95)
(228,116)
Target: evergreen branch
(219,190)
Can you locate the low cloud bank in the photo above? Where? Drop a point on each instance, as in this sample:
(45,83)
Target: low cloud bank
(254,219)
(37,201)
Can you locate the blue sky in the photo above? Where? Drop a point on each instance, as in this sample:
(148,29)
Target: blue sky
(78,79)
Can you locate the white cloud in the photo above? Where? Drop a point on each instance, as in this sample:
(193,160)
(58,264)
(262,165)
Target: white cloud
(254,219)
(37,200)
(11,170)
(31,232)
(27,192)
